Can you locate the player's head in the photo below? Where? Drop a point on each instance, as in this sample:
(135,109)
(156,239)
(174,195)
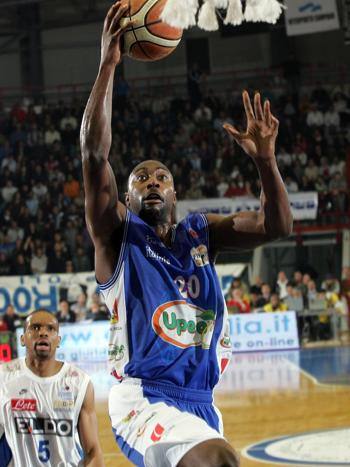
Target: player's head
(40,335)
(151,194)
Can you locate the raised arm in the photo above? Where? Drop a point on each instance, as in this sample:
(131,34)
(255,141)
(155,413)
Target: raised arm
(246,230)
(104,213)
(88,432)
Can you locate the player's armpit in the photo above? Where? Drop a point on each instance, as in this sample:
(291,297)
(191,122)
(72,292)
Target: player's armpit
(88,431)
(241,231)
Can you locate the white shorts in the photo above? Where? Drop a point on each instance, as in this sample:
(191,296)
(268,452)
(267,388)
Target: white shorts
(155,426)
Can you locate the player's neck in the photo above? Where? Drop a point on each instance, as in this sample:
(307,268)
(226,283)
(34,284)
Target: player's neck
(43,368)
(164,231)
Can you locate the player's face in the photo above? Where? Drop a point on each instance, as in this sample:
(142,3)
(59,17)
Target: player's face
(151,193)
(41,337)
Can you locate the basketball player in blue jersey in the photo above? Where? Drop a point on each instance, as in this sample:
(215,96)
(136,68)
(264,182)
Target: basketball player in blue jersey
(169,340)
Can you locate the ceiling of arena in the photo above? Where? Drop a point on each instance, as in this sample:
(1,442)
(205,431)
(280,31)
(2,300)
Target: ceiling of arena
(54,13)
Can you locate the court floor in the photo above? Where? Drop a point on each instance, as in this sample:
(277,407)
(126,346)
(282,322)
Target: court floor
(300,397)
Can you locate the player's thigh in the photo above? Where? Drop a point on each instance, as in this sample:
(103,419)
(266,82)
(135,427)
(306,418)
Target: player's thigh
(211,453)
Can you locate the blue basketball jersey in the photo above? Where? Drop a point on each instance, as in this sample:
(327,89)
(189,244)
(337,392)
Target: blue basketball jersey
(168,315)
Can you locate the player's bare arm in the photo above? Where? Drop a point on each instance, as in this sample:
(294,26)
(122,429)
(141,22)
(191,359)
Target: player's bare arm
(274,220)
(104,213)
(88,433)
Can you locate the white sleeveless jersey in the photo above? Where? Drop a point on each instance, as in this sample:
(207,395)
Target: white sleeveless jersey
(39,416)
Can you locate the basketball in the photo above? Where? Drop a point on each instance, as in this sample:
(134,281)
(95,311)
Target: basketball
(150,38)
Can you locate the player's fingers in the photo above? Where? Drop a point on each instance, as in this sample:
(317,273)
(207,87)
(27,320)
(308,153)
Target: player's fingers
(123,27)
(248,106)
(117,17)
(267,113)
(111,13)
(231,130)
(257,107)
(275,122)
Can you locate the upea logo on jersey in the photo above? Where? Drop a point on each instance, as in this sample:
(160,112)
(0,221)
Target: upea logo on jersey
(200,255)
(23,405)
(43,426)
(184,325)
(329,448)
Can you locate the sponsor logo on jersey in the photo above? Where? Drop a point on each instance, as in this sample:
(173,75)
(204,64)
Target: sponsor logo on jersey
(117,375)
(115,313)
(157,433)
(193,233)
(116,352)
(62,404)
(130,415)
(143,427)
(184,325)
(23,405)
(44,426)
(152,254)
(152,241)
(200,255)
(226,342)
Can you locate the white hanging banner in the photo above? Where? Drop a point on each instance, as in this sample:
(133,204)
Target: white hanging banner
(304,205)
(307,16)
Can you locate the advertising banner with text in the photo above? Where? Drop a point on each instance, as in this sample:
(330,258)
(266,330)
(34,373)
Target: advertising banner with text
(88,342)
(304,205)
(306,17)
(27,293)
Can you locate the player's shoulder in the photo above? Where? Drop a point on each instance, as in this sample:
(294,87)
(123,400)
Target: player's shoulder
(74,372)
(196,225)
(11,370)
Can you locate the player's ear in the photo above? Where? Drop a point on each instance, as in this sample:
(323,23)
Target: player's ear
(59,341)
(22,340)
(127,199)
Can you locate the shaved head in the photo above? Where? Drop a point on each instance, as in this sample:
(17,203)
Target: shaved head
(39,310)
(146,165)
(151,194)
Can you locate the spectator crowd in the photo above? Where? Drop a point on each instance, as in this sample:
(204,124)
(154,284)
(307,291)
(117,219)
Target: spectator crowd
(299,293)
(42,226)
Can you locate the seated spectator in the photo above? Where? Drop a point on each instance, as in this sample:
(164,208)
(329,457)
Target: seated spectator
(3,324)
(291,185)
(12,320)
(65,314)
(281,285)
(314,117)
(265,296)
(97,312)
(293,299)
(80,308)
(236,303)
(81,261)
(38,263)
(275,304)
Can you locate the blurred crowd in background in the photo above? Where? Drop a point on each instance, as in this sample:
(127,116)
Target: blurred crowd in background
(42,226)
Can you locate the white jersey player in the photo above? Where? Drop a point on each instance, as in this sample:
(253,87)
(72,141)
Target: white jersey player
(47,415)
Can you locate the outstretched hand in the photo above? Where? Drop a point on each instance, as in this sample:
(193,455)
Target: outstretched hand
(113,29)
(259,139)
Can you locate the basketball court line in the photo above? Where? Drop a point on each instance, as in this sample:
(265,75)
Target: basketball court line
(314,379)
